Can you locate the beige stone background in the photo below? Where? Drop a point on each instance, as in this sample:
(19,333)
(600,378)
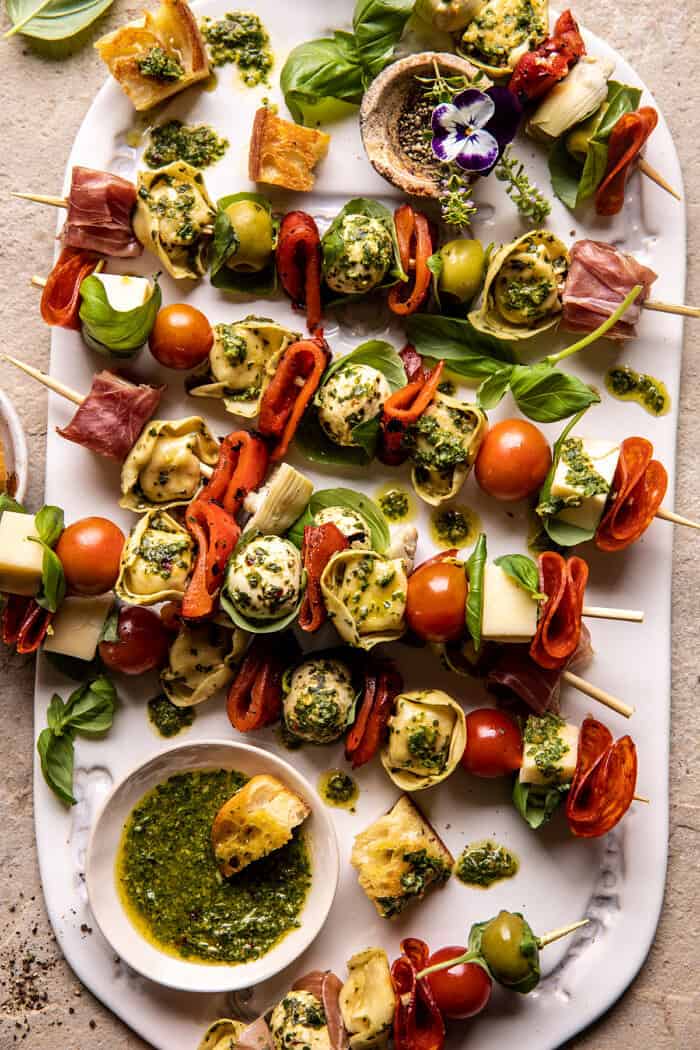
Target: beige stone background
(42,102)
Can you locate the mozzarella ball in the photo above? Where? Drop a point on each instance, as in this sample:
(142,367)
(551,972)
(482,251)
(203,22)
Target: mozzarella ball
(319,701)
(264,578)
(367,254)
(351,396)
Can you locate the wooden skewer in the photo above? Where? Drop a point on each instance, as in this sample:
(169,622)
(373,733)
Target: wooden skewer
(563,931)
(42,198)
(669,515)
(38,282)
(598,694)
(651,173)
(599,612)
(640,798)
(671,308)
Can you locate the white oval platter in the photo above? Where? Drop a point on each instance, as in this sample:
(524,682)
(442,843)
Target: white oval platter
(617,882)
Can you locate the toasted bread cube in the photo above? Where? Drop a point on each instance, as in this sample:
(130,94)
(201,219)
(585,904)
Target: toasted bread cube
(283,153)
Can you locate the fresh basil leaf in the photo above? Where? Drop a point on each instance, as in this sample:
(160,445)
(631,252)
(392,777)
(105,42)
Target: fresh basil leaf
(90,709)
(53,580)
(379,25)
(56,756)
(377,354)
(366,435)
(475,568)
(260,626)
(54,19)
(622,98)
(224,243)
(537,803)
(565,173)
(8,503)
(260,283)
(121,333)
(524,571)
(469,353)
(55,713)
(593,170)
(562,533)
(323,69)
(49,524)
(315,445)
(493,388)
(110,628)
(545,394)
(347,498)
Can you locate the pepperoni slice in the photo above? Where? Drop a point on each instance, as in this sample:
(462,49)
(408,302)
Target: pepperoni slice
(60,300)
(639,487)
(418,1023)
(559,625)
(625,144)
(603,786)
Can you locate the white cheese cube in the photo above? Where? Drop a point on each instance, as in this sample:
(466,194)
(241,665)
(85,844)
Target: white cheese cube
(603,457)
(550,750)
(124,292)
(20,558)
(509,613)
(77,626)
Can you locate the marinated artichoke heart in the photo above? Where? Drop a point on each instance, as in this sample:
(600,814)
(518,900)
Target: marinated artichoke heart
(255,236)
(263,578)
(403,541)
(572,100)
(353,395)
(164,467)
(174,218)
(367,253)
(367,1000)
(444,443)
(320,700)
(352,525)
(365,596)
(201,662)
(241,363)
(156,560)
(277,505)
(427,737)
(502,31)
(448,15)
(222,1035)
(521,296)
(299,1023)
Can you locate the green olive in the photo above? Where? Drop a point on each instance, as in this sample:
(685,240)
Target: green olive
(252,224)
(500,946)
(578,140)
(462,269)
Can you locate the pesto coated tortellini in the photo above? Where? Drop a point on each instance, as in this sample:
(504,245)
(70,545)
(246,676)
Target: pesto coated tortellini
(502,31)
(365,596)
(241,363)
(223,1034)
(156,560)
(522,290)
(319,700)
(201,662)
(174,218)
(427,737)
(443,444)
(164,466)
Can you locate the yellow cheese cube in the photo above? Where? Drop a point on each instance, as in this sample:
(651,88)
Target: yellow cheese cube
(550,750)
(600,458)
(509,613)
(20,558)
(77,626)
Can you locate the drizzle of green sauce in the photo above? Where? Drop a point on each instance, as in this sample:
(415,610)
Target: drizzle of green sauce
(625,384)
(171,886)
(168,719)
(395,503)
(338,788)
(240,37)
(455,526)
(483,863)
(198,145)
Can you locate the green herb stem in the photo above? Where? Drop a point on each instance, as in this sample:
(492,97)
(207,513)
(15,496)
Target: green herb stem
(19,26)
(624,306)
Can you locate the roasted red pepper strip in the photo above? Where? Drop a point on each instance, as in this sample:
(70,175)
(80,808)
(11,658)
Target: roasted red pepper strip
(604,783)
(255,696)
(638,490)
(412,363)
(240,469)
(538,71)
(415,248)
(33,628)
(559,624)
(284,402)
(418,1023)
(299,264)
(216,534)
(320,543)
(403,408)
(383,683)
(14,609)
(60,299)
(626,142)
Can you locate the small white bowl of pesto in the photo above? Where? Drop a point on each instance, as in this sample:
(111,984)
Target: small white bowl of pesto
(156,887)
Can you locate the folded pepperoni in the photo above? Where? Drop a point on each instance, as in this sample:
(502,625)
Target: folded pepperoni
(604,783)
(60,299)
(638,489)
(320,543)
(625,144)
(559,625)
(418,1023)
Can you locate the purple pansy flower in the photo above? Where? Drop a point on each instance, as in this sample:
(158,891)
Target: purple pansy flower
(473,130)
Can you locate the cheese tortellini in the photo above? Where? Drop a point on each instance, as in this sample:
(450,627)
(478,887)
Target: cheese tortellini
(320,700)
(264,580)
(501,31)
(164,466)
(299,1023)
(241,363)
(365,596)
(156,561)
(352,525)
(174,218)
(427,737)
(444,443)
(353,395)
(223,1034)
(201,661)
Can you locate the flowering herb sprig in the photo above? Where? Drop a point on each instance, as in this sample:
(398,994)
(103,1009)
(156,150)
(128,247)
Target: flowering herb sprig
(527,198)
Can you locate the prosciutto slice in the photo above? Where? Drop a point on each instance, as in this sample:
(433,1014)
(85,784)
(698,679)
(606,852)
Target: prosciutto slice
(256,1036)
(99,214)
(112,415)
(326,987)
(515,676)
(598,280)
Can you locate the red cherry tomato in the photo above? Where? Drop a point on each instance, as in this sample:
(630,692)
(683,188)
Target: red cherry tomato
(435,601)
(143,642)
(89,551)
(513,460)
(494,743)
(181,337)
(463,990)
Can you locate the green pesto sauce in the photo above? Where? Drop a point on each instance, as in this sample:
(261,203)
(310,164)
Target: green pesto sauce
(527,297)
(395,503)
(167,719)
(198,145)
(422,871)
(483,863)
(159,65)
(455,526)
(240,38)
(627,385)
(338,788)
(170,883)
(542,742)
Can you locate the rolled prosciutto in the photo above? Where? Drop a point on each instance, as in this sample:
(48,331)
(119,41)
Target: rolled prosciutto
(598,280)
(112,415)
(99,214)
